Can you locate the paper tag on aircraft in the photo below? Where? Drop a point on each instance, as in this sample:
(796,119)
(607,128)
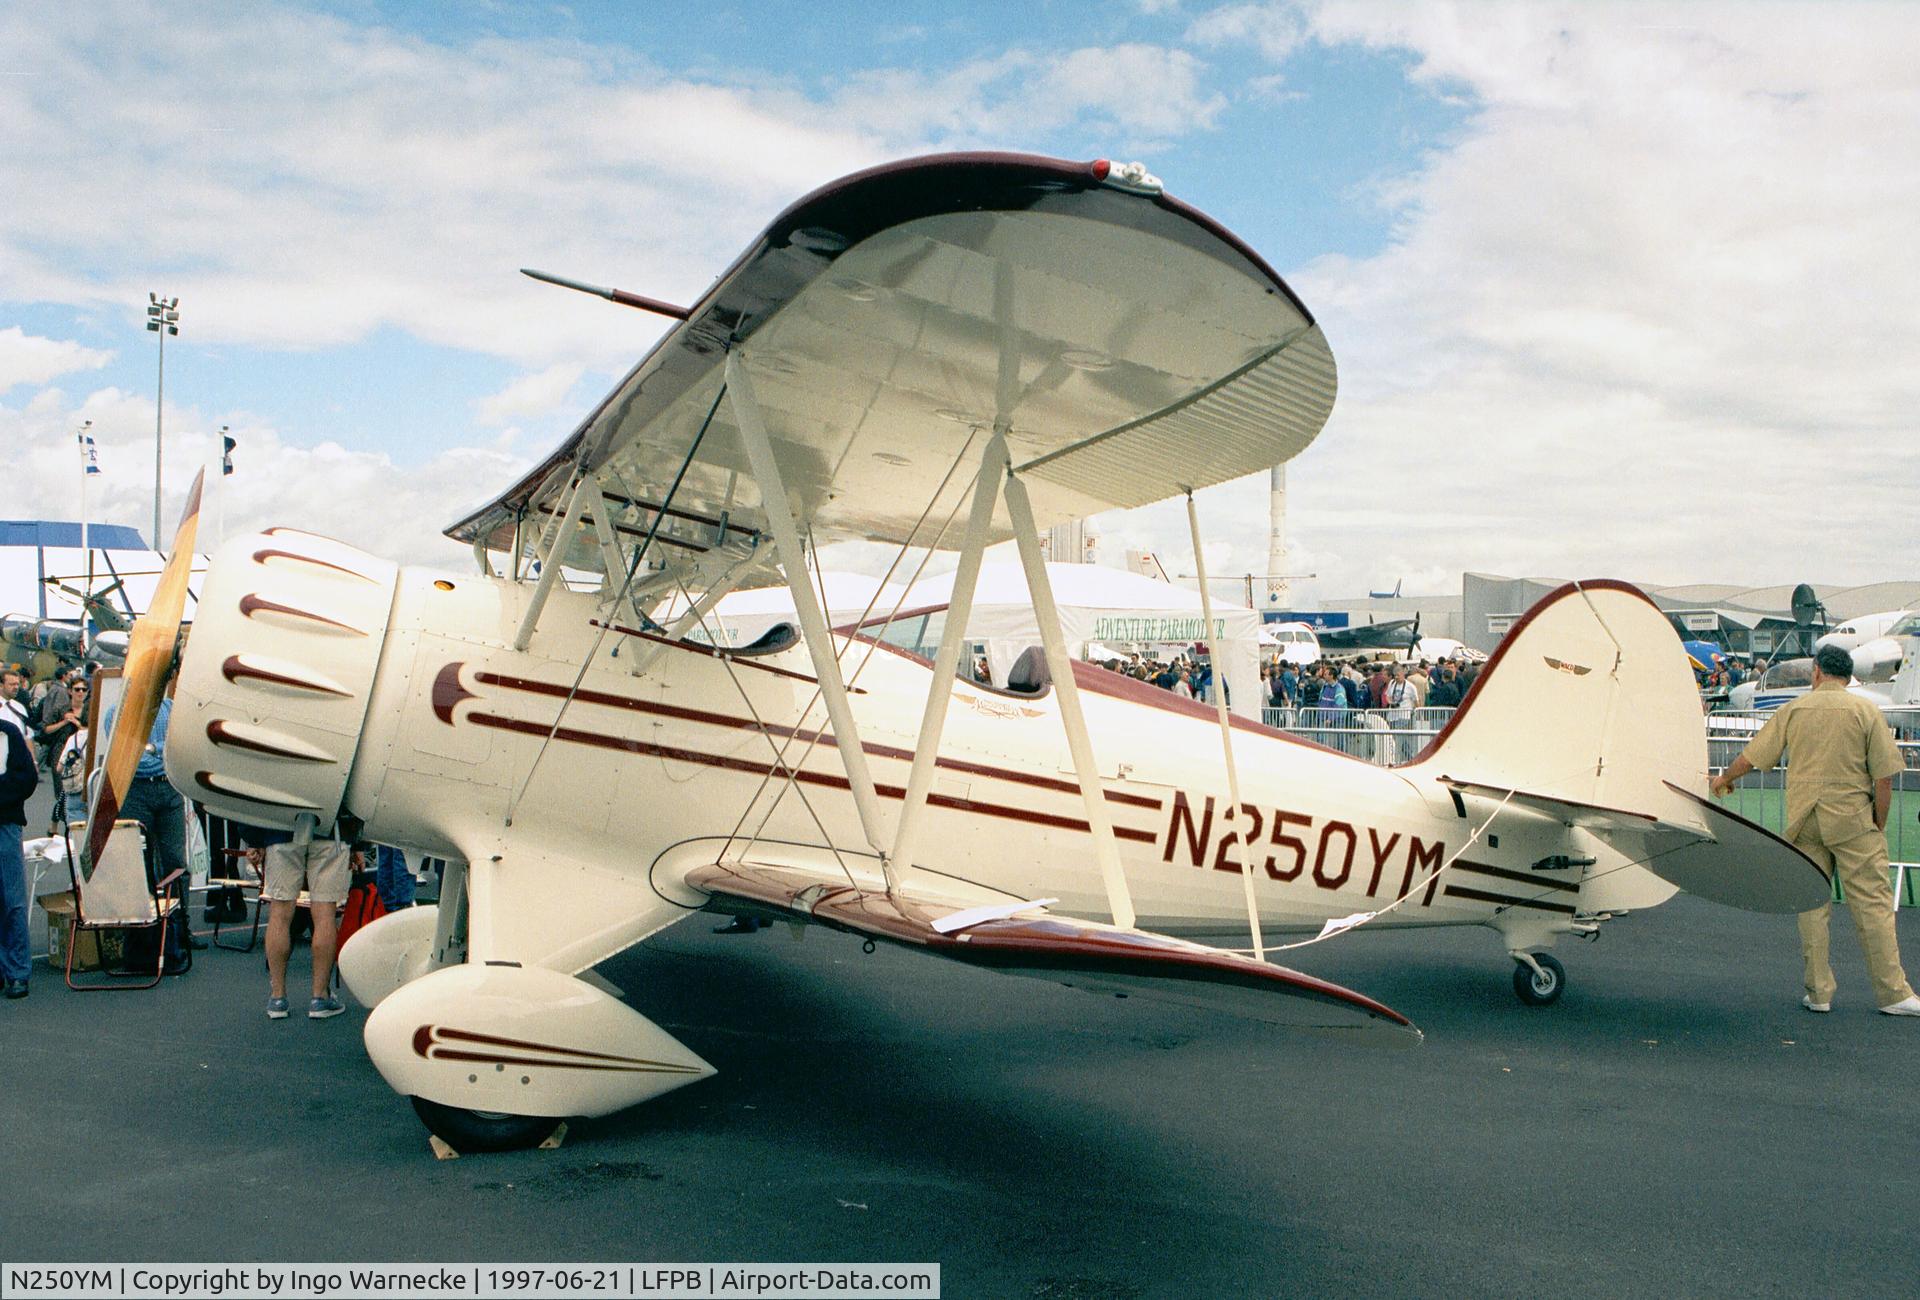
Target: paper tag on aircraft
(1340,923)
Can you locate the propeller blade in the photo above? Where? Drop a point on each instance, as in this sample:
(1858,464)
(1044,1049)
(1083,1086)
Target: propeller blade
(150,651)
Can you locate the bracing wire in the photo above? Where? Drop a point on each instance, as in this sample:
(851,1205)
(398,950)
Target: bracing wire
(633,569)
(813,738)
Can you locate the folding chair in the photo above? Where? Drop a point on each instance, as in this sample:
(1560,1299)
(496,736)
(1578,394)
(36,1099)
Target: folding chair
(121,895)
(244,877)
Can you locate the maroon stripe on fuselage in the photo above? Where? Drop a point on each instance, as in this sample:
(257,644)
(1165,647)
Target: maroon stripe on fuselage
(600,740)
(235,668)
(219,733)
(262,556)
(536,687)
(251,604)
(1482,896)
(692,647)
(1482,869)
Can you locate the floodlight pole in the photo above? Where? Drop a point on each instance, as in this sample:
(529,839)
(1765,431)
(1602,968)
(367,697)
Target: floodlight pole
(159,401)
(86,548)
(163,318)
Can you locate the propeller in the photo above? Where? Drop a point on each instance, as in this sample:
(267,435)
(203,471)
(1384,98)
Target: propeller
(150,654)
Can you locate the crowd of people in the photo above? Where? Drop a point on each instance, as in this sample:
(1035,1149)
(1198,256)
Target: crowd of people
(1392,687)
(1188,675)
(1359,683)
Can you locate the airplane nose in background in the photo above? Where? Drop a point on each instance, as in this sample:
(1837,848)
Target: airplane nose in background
(276,677)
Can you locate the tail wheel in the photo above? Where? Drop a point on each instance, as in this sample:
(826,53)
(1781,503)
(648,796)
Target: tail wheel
(1543,987)
(480,1130)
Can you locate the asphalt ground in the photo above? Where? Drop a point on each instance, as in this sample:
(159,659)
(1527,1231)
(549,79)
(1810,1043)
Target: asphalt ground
(1676,1125)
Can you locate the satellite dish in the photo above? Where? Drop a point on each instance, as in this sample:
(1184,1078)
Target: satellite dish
(1806,605)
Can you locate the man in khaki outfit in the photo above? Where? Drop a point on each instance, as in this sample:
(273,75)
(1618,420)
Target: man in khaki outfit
(1839,788)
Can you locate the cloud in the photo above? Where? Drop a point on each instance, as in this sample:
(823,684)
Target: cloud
(1274,30)
(1648,314)
(356,496)
(302,182)
(530,395)
(1131,96)
(29,359)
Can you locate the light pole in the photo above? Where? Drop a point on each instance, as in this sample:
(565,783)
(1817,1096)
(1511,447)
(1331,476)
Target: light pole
(163,318)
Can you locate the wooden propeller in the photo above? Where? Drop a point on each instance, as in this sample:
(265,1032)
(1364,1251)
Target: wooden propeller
(150,654)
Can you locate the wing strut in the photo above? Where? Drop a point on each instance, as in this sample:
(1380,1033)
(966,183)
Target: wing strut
(1226,727)
(1060,666)
(946,660)
(584,487)
(715,588)
(806,605)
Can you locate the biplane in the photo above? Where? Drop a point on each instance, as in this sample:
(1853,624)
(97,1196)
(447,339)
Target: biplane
(938,354)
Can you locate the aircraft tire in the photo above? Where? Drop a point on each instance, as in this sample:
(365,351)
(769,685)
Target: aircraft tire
(1537,990)
(478,1130)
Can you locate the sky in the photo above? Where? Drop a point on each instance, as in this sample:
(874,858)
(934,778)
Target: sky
(1614,289)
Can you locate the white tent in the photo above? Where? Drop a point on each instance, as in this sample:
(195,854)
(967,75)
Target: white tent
(1102,611)
(743,615)
(1110,608)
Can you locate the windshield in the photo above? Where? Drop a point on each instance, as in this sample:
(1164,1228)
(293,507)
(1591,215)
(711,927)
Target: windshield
(1790,672)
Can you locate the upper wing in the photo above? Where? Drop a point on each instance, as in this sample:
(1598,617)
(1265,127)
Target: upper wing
(1134,347)
(952,919)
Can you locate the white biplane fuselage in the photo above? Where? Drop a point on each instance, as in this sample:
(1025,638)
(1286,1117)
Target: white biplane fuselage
(1031,340)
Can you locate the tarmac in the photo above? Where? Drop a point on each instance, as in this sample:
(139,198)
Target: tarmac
(1676,1125)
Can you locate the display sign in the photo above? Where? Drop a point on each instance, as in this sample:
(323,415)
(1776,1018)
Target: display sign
(1500,624)
(1155,628)
(1316,619)
(1706,622)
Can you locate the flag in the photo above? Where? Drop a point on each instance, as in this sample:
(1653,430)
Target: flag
(227,444)
(89,458)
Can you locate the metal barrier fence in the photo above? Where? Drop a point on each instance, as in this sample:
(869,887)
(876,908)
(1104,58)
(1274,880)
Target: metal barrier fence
(1762,797)
(1378,736)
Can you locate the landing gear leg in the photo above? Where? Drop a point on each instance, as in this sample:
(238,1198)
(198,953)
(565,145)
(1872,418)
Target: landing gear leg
(1538,978)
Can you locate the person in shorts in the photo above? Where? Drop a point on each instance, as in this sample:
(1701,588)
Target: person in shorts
(324,869)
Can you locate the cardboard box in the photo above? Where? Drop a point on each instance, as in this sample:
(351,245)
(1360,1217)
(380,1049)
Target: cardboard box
(91,947)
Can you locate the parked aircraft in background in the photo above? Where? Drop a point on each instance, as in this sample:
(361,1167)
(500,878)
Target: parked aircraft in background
(1879,642)
(1293,643)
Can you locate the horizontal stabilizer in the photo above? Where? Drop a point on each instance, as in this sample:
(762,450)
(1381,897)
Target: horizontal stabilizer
(1080,954)
(1744,865)
(1689,842)
(1675,819)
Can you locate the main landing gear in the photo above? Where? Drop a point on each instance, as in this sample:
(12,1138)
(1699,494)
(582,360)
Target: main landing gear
(1538,978)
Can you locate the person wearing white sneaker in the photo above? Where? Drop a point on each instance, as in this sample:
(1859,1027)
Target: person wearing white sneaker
(1839,791)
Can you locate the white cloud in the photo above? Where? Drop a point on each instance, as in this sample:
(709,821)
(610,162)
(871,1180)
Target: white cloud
(1650,314)
(29,359)
(530,395)
(358,497)
(302,182)
(1130,96)
(1275,30)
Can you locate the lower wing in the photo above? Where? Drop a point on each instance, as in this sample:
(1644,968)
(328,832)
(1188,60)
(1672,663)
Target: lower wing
(971,924)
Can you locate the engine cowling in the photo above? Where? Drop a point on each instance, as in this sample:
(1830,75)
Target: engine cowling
(277,674)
